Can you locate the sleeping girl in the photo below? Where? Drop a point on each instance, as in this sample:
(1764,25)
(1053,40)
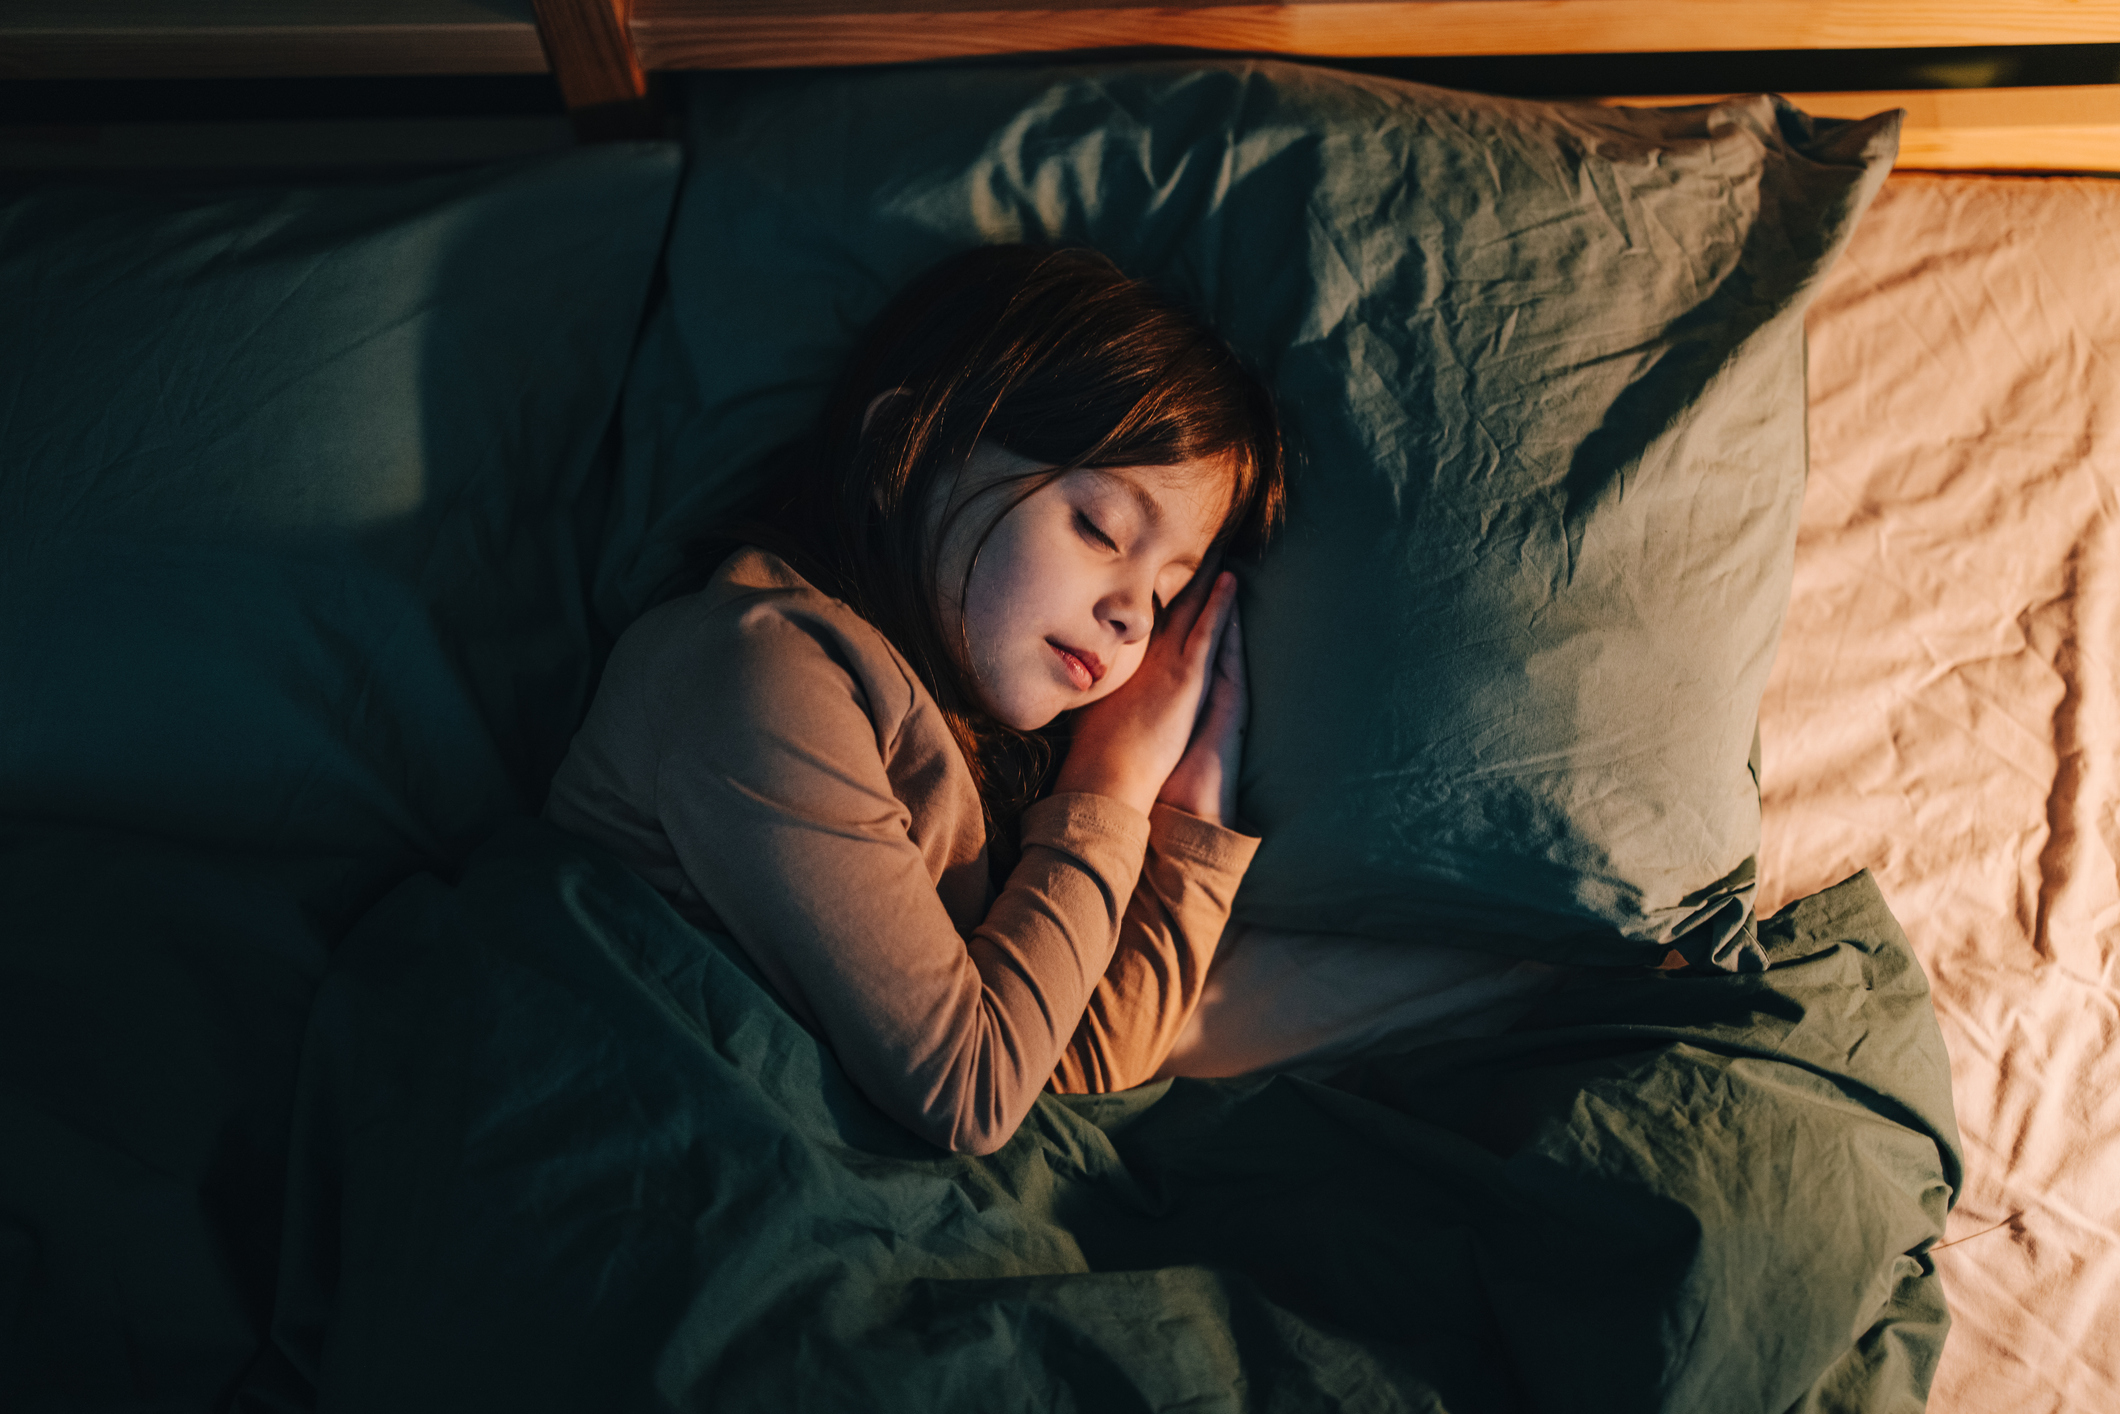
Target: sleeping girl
(948,739)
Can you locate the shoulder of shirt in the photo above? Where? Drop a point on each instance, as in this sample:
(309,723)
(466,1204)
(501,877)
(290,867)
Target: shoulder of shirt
(747,614)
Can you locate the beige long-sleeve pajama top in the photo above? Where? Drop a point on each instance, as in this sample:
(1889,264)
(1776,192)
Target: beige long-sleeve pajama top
(767,759)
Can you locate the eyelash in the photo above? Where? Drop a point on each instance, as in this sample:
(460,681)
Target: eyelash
(1090,527)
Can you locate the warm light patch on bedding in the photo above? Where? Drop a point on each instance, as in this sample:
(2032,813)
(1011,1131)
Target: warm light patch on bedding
(1945,710)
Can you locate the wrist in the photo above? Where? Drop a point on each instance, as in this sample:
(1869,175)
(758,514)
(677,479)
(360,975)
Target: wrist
(1117,788)
(1199,787)
(1192,805)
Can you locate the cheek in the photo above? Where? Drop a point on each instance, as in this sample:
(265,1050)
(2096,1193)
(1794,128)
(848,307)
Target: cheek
(1001,607)
(1122,670)
(1023,584)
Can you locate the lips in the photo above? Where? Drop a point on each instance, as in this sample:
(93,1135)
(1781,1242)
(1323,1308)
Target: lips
(1085,667)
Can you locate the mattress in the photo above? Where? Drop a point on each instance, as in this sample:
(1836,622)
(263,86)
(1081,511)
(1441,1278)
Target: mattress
(1945,711)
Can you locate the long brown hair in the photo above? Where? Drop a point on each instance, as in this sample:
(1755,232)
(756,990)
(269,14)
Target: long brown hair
(1056,355)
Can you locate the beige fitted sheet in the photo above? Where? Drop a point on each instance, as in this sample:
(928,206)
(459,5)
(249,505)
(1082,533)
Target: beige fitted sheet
(1945,710)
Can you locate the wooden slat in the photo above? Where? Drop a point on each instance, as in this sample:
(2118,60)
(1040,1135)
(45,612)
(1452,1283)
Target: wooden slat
(153,38)
(61,39)
(2075,129)
(709,34)
(590,51)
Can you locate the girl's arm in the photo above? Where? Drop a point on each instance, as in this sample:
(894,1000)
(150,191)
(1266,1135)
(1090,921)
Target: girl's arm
(772,723)
(1166,942)
(1179,909)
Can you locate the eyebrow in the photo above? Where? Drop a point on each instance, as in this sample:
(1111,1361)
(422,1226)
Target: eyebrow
(1149,507)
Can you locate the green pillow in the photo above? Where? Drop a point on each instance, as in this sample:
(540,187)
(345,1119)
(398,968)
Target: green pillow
(1542,367)
(289,513)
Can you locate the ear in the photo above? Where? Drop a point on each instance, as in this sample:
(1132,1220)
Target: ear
(868,414)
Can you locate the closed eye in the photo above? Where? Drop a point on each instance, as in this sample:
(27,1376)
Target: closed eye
(1090,528)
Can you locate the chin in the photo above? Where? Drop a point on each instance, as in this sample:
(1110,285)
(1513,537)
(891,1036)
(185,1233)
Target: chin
(1026,713)
(1032,719)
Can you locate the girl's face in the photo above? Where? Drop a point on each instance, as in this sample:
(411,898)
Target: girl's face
(1069,585)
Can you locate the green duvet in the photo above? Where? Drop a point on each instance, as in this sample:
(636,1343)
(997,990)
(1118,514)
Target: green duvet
(556,1149)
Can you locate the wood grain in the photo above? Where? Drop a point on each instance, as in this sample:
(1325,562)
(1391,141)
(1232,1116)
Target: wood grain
(2072,129)
(204,38)
(591,52)
(708,34)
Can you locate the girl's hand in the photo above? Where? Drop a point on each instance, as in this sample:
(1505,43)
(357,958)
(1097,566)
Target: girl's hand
(1205,781)
(1126,745)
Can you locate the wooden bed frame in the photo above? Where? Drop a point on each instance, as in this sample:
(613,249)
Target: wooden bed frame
(603,52)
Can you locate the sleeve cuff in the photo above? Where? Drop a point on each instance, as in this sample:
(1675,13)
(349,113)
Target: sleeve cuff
(1108,835)
(1180,834)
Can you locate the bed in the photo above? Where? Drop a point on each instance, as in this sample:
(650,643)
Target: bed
(290,959)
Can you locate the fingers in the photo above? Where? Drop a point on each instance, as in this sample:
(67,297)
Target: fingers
(1206,631)
(1210,668)
(1214,755)
(1239,691)
(1185,609)
(1229,661)
(1229,703)
(1232,629)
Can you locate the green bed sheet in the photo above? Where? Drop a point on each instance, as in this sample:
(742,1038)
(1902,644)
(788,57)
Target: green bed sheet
(556,1149)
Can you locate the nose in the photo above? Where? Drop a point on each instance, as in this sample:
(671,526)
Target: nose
(1132,615)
